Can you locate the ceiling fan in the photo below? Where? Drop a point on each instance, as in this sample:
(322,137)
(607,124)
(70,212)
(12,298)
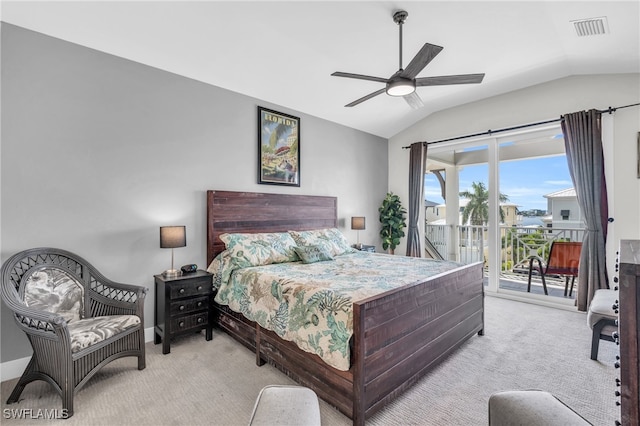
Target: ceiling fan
(404,82)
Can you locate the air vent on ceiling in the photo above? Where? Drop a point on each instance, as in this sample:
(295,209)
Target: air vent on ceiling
(591,26)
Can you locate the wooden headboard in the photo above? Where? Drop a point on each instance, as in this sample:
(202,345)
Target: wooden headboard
(251,212)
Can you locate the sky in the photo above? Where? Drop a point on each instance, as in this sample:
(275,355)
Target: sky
(524,182)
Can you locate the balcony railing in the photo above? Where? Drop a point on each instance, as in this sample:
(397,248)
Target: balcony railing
(518,243)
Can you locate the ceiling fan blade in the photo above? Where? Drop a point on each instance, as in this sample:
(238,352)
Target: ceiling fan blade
(449,79)
(359,76)
(364,98)
(414,100)
(422,58)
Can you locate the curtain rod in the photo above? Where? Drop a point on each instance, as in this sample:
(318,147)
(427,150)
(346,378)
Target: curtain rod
(609,110)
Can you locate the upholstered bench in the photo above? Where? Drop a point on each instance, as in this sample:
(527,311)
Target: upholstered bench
(286,405)
(531,407)
(601,317)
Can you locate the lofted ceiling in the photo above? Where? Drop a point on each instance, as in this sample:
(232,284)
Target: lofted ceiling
(284,52)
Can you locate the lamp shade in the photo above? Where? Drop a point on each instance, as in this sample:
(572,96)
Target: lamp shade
(173,236)
(357,222)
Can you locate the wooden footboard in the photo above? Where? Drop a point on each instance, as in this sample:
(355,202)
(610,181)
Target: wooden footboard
(398,337)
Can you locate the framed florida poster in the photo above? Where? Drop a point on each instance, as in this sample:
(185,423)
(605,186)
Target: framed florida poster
(278,148)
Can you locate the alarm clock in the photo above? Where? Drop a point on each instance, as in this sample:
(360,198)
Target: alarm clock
(188,269)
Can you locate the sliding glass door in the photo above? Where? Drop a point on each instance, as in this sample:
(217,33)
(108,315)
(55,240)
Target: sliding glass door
(508,180)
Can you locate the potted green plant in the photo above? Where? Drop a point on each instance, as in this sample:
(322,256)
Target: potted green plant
(392,218)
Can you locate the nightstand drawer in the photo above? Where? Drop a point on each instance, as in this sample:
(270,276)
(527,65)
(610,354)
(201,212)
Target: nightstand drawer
(190,288)
(189,321)
(189,305)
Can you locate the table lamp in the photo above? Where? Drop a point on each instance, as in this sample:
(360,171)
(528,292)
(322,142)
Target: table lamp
(357,223)
(172,237)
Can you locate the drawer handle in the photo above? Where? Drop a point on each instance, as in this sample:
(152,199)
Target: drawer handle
(182,307)
(181,291)
(181,323)
(199,304)
(199,320)
(199,287)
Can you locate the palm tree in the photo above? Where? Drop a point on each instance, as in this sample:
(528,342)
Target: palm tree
(477,209)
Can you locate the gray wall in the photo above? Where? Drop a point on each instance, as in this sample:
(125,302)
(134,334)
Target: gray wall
(98,152)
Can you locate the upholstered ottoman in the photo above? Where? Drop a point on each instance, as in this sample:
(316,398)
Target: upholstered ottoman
(286,405)
(601,317)
(531,408)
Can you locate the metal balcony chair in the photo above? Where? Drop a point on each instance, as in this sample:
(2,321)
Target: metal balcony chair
(564,259)
(77,321)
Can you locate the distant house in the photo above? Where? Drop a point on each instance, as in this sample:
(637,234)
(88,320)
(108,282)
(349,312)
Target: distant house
(438,213)
(431,211)
(510,214)
(563,210)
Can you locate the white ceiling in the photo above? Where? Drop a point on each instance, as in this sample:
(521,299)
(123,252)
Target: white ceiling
(284,52)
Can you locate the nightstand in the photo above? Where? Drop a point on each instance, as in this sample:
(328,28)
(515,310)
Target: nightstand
(371,249)
(183,304)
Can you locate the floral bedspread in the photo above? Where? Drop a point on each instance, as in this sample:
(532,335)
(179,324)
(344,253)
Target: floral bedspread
(311,304)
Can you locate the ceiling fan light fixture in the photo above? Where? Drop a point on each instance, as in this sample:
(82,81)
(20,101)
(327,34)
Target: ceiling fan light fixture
(404,82)
(400,87)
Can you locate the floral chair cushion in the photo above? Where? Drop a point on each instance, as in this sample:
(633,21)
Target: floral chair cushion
(54,290)
(331,239)
(89,331)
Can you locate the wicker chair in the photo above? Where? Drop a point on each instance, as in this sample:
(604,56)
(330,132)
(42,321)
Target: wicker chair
(77,321)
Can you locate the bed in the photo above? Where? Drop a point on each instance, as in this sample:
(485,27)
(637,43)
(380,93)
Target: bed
(398,335)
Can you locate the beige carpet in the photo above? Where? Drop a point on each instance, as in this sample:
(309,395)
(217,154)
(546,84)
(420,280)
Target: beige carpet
(216,382)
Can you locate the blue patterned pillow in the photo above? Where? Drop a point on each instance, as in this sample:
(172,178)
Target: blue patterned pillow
(260,249)
(313,254)
(331,239)
(221,267)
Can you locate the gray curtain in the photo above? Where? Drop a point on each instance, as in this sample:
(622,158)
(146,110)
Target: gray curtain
(583,145)
(417,161)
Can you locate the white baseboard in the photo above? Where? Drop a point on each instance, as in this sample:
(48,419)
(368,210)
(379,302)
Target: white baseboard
(12,369)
